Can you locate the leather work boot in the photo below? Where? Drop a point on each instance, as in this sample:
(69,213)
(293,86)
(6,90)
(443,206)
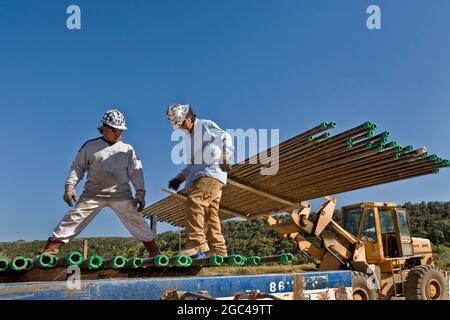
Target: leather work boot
(152,248)
(52,247)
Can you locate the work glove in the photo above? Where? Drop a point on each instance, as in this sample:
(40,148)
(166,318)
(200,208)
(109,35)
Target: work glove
(139,200)
(175,182)
(70,195)
(225,165)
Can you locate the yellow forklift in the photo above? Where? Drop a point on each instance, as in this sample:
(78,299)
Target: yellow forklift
(374,242)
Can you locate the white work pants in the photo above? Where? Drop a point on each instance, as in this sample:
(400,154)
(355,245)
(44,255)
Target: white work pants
(87,209)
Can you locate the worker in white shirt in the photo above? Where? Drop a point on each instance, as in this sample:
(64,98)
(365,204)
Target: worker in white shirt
(204,177)
(110,164)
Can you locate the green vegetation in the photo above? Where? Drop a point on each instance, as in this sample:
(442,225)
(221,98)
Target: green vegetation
(428,220)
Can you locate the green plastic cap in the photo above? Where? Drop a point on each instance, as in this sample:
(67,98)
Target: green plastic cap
(432,157)
(380,148)
(373,127)
(367,125)
(435,171)
(4,263)
(391,144)
(161,260)
(408,148)
(398,149)
(216,260)
(396,157)
(324,125)
(386,134)
(309,139)
(74,258)
(286,258)
(254,261)
(332,125)
(369,134)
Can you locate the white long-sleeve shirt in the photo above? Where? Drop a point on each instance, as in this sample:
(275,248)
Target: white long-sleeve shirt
(205,146)
(109,167)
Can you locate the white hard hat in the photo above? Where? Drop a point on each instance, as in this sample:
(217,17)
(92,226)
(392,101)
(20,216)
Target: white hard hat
(114,118)
(177,113)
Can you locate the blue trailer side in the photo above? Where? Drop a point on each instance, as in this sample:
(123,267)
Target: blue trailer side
(309,286)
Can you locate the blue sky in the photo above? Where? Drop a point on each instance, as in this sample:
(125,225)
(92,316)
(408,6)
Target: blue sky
(244,64)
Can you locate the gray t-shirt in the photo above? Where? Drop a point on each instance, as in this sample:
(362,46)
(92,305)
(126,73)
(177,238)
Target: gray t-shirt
(109,168)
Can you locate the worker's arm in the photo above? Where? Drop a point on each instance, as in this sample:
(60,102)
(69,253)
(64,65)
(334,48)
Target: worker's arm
(136,172)
(223,140)
(78,168)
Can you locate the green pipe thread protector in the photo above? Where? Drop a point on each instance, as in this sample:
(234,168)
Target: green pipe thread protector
(349,145)
(380,148)
(367,125)
(432,157)
(74,258)
(118,262)
(4,264)
(369,134)
(47,260)
(286,258)
(326,135)
(254,261)
(182,261)
(373,127)
(386,134)
(446,162)
(370,145)
(398,149)
(94,262)
(408,148)
(235,260)
(161,260)
(383,140)
(19,263)
(324,125)
(435,171)
(350,141)
(391,144)
(216,260)
(439,160)
(30,264)
(396,157)
(309,139)
(135,262)
(332,125)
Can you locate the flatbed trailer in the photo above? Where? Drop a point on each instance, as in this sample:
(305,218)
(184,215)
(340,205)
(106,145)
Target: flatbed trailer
(331,285)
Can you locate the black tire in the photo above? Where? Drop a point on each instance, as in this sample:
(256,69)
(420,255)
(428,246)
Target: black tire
(361,287)
(426,283)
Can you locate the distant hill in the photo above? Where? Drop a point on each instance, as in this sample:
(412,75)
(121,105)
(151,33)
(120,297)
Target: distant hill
(428,220)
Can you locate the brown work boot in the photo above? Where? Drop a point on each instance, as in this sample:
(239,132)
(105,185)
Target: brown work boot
(152,248)
(52,247)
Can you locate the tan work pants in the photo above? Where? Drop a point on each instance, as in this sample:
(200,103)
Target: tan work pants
(203,230)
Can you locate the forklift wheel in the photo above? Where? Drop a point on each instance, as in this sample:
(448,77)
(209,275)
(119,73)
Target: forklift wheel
(426,283)
(362,287)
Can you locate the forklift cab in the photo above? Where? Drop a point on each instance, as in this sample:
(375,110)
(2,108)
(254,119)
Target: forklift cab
(383,227)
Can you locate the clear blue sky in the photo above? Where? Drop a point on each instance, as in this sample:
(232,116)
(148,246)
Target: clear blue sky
(244,64)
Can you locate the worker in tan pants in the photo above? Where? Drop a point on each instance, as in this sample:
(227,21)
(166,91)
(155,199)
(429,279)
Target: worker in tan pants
(203,222)
(205,176)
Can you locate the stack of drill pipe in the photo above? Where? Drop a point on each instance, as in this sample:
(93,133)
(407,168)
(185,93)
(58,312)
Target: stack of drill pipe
(92,262)
(312,165)
(213,261)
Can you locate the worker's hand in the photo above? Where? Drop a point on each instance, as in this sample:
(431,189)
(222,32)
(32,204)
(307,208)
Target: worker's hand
(70,195)
(140,200)
(175,182)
